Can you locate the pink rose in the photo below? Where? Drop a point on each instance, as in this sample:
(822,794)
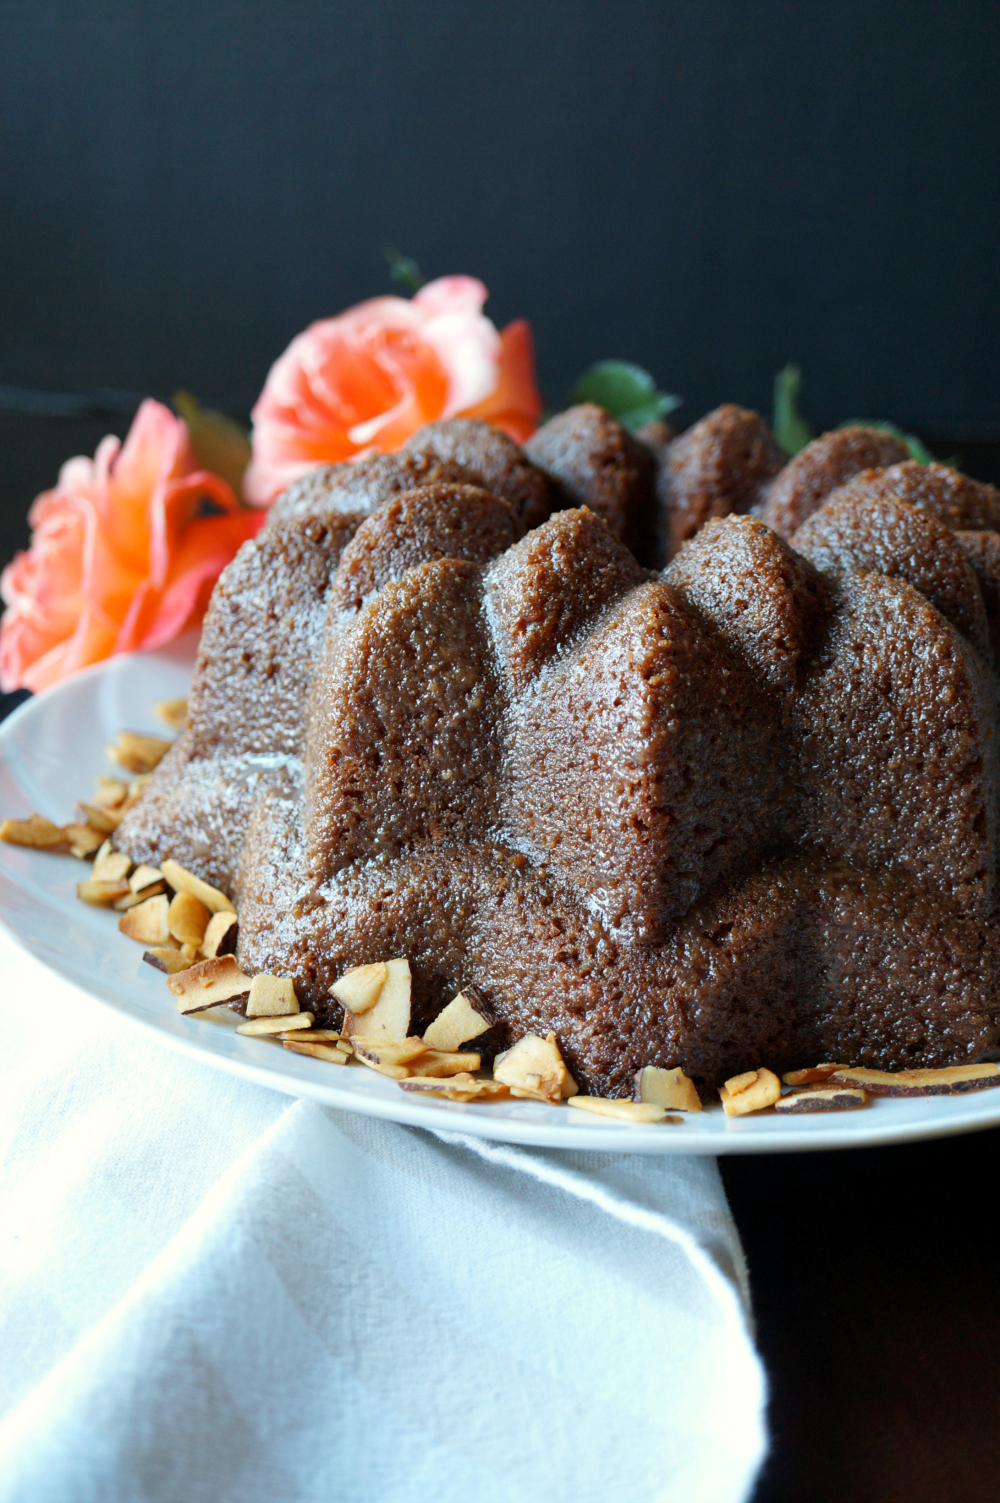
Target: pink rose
(364,381)
(122,554)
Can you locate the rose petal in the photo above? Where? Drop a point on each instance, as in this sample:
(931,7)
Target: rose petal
(119,553)
(366,380)
(515,404)
(454,294)
(210,544)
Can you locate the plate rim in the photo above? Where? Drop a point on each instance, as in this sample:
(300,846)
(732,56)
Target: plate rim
(535,1129)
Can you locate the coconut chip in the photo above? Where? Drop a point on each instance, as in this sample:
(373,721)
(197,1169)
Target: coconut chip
(111,865)
(181,880)
(173,712)
(101,894)
(36,832)
(456,1088)
(814,1075)
(753,1091)
(220,936)
(953,1080)
(821,1099)
(98,817)
(147,921)
(135,898)
(667,1088)
(167,958)
(137,752)
(272,997)
(187,919)
(208,983)
(261,1027)
(535,1068)
(83,840)
(636,1112)
(110,793)
(330,1052)
(465,1018)
(389,1056)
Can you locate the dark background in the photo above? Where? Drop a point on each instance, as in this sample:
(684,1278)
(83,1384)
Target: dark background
(708,187)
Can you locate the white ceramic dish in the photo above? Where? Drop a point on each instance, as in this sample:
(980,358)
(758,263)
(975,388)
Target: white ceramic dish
(50,751)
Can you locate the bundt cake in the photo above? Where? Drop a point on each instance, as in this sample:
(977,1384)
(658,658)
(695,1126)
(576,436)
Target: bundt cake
(740,810)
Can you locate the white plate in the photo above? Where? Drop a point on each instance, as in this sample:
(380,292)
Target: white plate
(52,748)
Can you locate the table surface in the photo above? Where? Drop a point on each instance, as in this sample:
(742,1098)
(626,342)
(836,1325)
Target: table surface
(876,1293)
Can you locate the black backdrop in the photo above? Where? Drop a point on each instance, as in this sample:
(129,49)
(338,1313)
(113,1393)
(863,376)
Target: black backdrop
(709,187)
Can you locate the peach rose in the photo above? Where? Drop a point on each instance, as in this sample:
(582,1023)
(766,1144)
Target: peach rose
(364,381)
(123,554)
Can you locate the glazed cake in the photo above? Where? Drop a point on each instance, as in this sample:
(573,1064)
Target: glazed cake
(673,746)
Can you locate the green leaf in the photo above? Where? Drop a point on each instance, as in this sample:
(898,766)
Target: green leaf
(626,391)
(219,442)
(406,274)
(790,427)
(918,450)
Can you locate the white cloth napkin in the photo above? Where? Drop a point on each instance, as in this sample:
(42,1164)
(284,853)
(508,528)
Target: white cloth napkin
(211,1292)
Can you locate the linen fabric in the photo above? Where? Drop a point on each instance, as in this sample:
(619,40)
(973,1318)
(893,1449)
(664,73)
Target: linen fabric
(210,1291)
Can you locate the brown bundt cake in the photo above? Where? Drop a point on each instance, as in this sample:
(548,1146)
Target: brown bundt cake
(719,466)
(741,811)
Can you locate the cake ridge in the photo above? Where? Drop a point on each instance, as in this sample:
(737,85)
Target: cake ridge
(664,813)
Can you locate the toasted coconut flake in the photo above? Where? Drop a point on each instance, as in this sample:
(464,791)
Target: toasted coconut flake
(258,1027)
(111,865)
(173,712)
(101,894)
(358,990)
(821,1099)
(187,918)
(318,1051)
(135,898)
(455,1088)
(272,997)
(440,1062)
(389,1056)
(667,1088)
(392,1051)
(465,1018)
(738,1083)
(147,922)
(811,1076)
(84,840)
(36,832)
(208,983)
(134,793)
(144,876)
(316,1035)
(762,1090)
(636,1112)
(389,1019)
(166,958)
(101,819)
(220,936)
(534,1067)
(181,880)
(953,1080)
(395,1072)
(137,752)
(111,793)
